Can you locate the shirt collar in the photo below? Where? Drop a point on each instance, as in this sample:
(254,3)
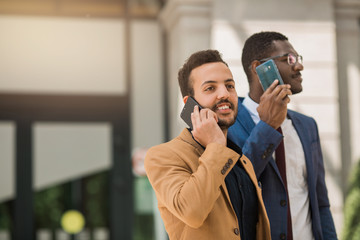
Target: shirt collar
(251,106)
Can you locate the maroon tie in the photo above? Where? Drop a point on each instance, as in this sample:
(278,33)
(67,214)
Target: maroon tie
(280,162)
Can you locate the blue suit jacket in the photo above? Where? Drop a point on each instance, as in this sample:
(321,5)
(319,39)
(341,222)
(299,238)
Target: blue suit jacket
(258,142)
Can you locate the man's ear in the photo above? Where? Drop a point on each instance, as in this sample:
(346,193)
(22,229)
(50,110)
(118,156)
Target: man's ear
(254,82)
(185,99)
(253,66)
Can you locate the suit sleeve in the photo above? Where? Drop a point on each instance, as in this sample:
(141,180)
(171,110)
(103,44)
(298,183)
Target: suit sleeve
(259,145)
(187,194)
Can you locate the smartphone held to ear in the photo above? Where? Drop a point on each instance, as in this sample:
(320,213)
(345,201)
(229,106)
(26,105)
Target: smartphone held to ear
(188,109)
(268,73)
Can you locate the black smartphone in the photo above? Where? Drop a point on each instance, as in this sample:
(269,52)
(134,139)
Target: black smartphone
(268,73)
(188,109)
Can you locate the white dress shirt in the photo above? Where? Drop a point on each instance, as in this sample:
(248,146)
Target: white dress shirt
(296,175)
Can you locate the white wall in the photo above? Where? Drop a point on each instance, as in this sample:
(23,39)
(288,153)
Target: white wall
(67,151)
(62,55)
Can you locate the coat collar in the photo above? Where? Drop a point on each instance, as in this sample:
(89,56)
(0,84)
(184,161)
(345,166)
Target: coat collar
(186,136)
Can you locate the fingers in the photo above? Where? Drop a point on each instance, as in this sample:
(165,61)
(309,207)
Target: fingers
(195,117)
(211,114)
(199,116)
(272,86)
(280,92)
(203,115)
(272,107)
(205,128)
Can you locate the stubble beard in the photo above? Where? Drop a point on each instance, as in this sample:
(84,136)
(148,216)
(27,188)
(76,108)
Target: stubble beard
(226,123)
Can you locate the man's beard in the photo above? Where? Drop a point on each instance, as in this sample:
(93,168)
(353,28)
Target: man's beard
(225,124)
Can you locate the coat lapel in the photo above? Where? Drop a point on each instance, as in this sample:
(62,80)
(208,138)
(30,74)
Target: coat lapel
(187,137)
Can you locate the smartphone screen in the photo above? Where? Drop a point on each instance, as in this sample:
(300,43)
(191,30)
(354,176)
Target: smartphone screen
(188,109)
(268,73)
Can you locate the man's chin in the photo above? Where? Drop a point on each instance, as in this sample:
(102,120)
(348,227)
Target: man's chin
(296,90)
(225,124)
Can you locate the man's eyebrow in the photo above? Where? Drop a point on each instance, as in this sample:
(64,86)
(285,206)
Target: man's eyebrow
(230,80)
(212,81)
(208,82)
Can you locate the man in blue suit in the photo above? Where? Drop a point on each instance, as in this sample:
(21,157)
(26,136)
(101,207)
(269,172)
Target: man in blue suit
(296,200)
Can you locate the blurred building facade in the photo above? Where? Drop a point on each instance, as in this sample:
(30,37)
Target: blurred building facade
(325,32)
(86,83)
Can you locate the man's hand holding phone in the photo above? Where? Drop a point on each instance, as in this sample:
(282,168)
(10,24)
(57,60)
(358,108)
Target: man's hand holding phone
(273,103)
(202,122)
(205,127)
(272,107)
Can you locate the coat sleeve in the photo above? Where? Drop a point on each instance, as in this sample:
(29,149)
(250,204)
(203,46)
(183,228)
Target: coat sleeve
(258,146)
(189,194)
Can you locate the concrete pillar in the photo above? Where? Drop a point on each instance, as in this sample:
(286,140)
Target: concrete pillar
(348,49)
(187,24)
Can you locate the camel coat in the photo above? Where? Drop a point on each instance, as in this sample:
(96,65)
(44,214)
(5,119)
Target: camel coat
(189,183)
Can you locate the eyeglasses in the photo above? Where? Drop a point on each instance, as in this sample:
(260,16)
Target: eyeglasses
(292,59)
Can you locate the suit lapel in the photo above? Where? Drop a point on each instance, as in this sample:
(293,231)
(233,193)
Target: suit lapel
(244,118)
(302,133)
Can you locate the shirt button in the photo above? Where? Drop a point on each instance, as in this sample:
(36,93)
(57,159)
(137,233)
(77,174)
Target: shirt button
(236,231)
(230,161)
(264,156)
(282,236)
(283,203)
(223,171)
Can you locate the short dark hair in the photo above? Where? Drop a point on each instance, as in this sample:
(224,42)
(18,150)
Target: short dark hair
(259,46)
(195,60)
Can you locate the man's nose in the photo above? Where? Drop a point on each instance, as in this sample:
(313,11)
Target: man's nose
(223,93)
(298,66)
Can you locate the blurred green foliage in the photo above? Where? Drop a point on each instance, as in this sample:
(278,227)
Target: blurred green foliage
(351,229)
(49,206)
(5,215)
(143,227)
(143,219)
(96,196)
